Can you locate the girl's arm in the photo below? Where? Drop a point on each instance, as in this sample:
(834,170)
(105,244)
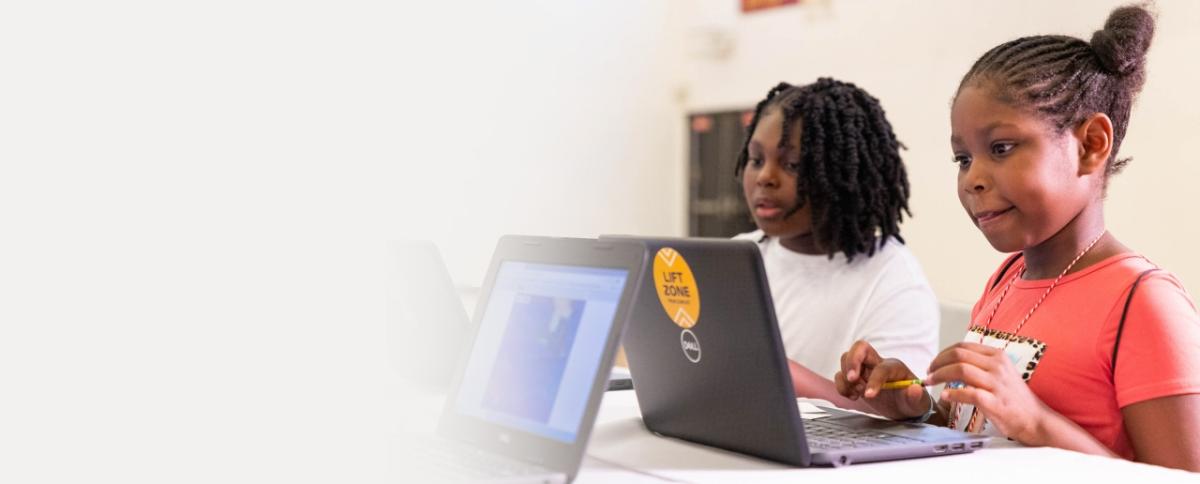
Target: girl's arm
(1166,431)
(1160,347)
(1052,429)
(995,388)
(808,384)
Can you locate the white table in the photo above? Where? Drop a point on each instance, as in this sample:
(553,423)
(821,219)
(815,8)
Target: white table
(619,439)
(417,419)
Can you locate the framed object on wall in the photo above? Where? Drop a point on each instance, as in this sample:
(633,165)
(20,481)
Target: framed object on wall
(716,206)
(756,5)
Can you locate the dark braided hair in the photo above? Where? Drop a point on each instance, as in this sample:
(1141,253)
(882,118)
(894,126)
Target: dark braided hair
(850,168)
(1065,79)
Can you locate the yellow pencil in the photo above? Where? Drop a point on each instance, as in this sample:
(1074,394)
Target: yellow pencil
(898,384)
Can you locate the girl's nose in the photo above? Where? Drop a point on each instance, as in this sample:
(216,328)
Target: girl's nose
(768,175)
(975,180)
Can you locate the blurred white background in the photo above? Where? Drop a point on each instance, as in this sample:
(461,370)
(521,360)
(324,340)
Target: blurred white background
(196,197)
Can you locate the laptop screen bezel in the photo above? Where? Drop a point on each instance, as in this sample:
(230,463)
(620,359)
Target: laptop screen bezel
(555,454)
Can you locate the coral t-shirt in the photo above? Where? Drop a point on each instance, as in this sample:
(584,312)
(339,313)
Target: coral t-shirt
(1065,349)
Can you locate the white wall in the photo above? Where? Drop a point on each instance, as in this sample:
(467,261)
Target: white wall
(196,199)
(911,56)
(557,118)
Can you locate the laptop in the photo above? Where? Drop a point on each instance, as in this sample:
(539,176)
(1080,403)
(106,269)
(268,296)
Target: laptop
(549,320)
(705,351)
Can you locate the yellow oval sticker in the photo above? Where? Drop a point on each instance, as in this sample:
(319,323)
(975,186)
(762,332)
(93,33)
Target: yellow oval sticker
(677,289)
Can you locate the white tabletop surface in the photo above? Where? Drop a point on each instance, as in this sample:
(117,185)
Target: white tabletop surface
(621,450)
(620,439)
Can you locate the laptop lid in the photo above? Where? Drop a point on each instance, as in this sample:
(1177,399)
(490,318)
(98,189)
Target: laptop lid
(549,320)
(705,352)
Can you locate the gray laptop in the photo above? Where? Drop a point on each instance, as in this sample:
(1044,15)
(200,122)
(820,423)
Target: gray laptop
(705,352)
(548,323)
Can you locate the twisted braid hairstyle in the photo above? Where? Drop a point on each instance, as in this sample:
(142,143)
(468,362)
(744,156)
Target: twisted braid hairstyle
(1064,79)
(849,168)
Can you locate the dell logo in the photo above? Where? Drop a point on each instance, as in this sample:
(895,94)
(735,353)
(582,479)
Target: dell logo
(690,344)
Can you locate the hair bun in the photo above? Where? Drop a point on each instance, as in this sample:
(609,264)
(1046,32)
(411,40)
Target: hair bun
(1121,46)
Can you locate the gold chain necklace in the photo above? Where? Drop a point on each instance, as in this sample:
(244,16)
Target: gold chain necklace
(1012,336)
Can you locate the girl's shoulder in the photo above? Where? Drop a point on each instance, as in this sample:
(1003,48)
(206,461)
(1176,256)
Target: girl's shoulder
(892,258)
(756,236)
(1117,271)
(896,259)
(1128,270)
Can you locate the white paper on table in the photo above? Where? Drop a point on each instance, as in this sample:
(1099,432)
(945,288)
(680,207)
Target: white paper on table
(809,411)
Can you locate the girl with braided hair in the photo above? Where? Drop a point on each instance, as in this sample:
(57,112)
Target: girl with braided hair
(821,171)
(1077,342)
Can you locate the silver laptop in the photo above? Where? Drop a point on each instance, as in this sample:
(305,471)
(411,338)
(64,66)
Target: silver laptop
(705,352)
(548,323)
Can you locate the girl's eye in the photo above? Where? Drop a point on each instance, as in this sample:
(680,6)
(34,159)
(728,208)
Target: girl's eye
(755,162)
(1002,148)
(962,160)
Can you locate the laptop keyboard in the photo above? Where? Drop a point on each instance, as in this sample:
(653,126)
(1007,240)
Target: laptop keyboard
(467,463)
(825,435)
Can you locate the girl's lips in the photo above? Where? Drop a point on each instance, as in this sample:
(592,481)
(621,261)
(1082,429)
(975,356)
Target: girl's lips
(767,212)
(767,209)
(986,218)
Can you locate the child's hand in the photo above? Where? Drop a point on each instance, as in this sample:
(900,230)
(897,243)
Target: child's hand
(993,386)
(863,374)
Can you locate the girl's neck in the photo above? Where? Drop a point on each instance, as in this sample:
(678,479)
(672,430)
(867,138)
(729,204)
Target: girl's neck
(1048,259)
(804,244)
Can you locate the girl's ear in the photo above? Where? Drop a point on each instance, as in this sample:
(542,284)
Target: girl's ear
(1095,136)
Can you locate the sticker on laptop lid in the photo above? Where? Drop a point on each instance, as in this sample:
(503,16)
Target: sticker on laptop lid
(680,297)
(676,288)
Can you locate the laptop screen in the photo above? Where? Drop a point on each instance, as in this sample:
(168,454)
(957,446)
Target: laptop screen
(541,338)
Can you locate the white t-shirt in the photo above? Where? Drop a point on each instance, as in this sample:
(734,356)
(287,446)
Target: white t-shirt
(824,305)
